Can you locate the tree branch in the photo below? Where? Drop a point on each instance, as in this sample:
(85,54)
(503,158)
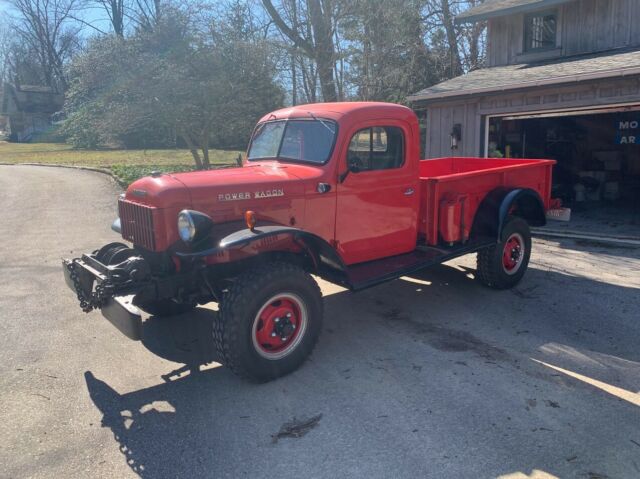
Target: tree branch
(286,29)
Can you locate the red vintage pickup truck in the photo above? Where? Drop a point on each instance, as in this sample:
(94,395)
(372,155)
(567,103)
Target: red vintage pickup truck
(335,190)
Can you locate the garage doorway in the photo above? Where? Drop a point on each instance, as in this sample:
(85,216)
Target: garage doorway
(598,155)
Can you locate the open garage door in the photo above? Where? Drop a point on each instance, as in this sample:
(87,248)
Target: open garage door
(598,155)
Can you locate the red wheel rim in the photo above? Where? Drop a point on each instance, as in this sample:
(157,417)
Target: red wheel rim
(279,326)
(513,253)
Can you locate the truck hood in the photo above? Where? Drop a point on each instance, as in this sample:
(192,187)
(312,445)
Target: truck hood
(273,190)
(162,191)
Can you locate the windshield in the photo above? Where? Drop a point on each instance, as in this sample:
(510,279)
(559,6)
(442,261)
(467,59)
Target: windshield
(297,140)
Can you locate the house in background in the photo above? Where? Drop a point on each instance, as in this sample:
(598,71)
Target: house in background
(562,81)
(28,109)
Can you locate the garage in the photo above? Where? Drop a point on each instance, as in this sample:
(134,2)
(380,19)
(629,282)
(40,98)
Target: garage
(561,80)
(582,111)
(598,155)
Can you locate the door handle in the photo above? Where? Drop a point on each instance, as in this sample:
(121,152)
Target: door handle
(409,192)
(323,188)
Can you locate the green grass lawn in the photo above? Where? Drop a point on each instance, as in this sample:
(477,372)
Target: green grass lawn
(128,165)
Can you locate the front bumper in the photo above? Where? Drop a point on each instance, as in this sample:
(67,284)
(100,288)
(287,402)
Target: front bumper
(118,308)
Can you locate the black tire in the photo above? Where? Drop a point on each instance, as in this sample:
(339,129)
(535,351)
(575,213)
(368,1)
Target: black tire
(495,272)
(165,307)
(240,322)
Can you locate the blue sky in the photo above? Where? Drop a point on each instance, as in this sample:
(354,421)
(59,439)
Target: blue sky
(95,15)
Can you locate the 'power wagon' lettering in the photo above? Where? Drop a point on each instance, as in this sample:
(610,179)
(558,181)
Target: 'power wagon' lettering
(234,196)
(268,193)
(246,195)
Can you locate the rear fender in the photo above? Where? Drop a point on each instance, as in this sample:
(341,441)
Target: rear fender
(502,202)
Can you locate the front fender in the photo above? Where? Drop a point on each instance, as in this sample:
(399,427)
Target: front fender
(268,239)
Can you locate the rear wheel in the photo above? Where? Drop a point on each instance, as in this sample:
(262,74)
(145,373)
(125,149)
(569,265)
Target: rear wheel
(269,321)
(503,265)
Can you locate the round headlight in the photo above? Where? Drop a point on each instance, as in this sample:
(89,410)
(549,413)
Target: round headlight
(193,226)
(186,226)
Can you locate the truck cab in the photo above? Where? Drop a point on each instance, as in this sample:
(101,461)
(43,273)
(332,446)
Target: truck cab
(337,190)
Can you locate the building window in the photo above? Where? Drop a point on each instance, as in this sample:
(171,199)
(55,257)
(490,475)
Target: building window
(540,31)
(377,148)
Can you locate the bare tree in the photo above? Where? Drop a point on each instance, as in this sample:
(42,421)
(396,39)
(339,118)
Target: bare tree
(316,42)
(115,12)
(452,37)
(464,43)
(5,52)
(147,13)
(473,41)
(48,28)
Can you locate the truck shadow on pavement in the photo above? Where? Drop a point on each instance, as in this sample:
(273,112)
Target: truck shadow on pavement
(203,421)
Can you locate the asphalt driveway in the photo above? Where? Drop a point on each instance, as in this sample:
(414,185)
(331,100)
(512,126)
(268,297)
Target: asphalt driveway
(428,376)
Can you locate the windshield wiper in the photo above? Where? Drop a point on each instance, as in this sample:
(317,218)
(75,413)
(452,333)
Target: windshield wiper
(323,122)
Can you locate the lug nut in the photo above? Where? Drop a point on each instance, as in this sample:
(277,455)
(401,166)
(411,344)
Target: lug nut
(277,320)
(288,315)
(273,335)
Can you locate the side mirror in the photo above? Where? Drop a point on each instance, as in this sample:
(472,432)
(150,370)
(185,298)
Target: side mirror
(354,166)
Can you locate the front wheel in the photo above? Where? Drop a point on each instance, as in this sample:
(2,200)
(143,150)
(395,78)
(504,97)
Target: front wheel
(503,265)
(269,321)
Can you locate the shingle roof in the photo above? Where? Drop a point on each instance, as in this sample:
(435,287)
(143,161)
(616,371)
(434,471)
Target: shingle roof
(30,99)
(497,8)
(510,77)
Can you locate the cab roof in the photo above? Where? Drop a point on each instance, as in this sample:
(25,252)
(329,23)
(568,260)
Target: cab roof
(343,111)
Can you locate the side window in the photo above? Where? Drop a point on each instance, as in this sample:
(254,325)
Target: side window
(377,148)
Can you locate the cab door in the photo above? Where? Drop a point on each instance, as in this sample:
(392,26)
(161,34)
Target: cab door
(377,202)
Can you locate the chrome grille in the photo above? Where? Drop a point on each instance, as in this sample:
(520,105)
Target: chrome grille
(137,223)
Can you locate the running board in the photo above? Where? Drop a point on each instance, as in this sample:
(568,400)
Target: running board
(371,273)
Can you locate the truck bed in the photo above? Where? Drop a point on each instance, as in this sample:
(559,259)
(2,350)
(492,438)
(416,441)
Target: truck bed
(452,188)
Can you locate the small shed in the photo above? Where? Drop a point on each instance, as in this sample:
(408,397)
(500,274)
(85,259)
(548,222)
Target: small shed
(28,109)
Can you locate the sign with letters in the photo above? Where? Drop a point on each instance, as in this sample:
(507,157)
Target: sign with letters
(628,132)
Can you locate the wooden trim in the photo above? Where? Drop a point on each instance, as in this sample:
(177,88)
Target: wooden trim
(465,17)
(565,112)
